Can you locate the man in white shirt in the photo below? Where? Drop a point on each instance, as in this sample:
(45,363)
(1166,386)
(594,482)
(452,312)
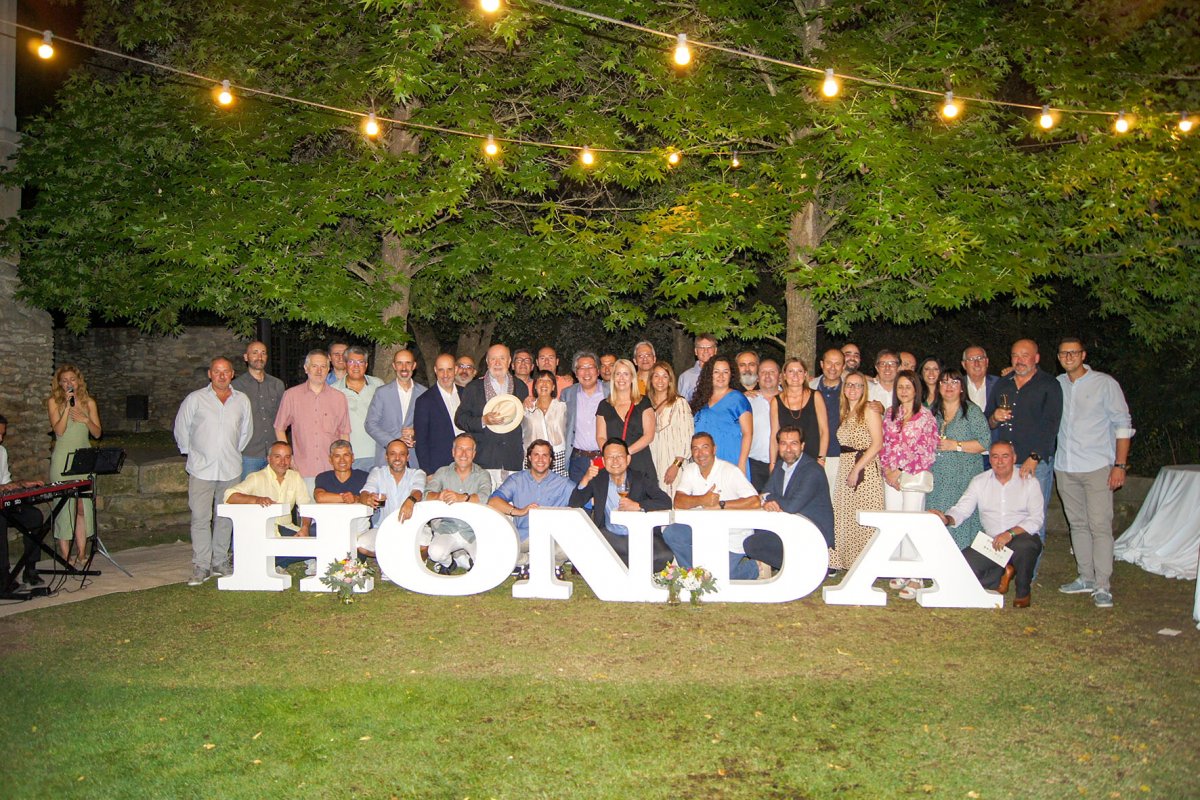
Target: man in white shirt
(979,383)
(394,488)
(1093,455)
(359,388)
(706,348)
(760,398)
(433,419)
(708,482)
(1011,512)
(211,428)
(887,364)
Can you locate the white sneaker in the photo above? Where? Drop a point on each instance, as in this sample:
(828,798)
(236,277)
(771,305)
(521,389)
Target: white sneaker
(310,567)
(199,576)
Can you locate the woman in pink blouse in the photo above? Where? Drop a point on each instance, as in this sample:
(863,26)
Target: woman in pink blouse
(910,441)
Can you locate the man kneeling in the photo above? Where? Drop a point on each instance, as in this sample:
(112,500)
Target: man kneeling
(1011,511)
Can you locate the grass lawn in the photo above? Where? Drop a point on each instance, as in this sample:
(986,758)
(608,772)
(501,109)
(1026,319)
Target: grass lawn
(182,692)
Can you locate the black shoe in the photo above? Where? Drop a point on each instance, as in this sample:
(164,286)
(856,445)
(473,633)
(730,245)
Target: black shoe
(33,579)
(441,569)
(558,573)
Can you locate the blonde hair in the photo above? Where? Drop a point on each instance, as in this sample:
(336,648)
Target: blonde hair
(783,370)
(635,392)
(860,408)
(56,391)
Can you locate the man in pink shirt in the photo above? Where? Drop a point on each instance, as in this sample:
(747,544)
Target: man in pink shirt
(318,416)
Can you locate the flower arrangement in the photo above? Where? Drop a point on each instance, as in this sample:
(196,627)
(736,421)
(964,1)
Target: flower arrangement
(346,575)
(697,581)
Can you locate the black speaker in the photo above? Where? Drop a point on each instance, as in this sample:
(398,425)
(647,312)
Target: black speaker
(137,407)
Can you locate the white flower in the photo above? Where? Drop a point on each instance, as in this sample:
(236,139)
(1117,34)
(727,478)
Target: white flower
(691,583)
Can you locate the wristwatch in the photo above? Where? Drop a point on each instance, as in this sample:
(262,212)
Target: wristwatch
(1122,466)
(1034,455)
(958,447)
(721,503)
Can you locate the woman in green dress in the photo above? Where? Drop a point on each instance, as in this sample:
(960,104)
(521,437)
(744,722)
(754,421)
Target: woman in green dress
(964,438)
(74,418)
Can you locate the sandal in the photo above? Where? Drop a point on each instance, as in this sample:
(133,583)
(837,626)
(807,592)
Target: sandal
(909,592)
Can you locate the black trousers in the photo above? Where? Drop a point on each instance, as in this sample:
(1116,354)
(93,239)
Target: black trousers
(26,518)
(661,553)
(760,471)
(1026,549)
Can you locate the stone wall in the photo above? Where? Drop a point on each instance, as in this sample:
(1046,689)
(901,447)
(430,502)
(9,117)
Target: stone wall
(118,362)
(26,368)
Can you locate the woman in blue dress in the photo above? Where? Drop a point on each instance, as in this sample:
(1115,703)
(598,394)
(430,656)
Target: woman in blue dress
(724,413)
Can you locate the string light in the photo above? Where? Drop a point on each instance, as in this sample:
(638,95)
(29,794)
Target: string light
(830,87)
(1185,124)
(734,162)
(1122,124)
(45,49)
(673,157)
(586,157)
(371,125)
(950,108)
(490,147)
(1046,120)
(489,6)
(224,95)
(683,54)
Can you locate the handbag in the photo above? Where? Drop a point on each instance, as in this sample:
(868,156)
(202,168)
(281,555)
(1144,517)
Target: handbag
(916,481)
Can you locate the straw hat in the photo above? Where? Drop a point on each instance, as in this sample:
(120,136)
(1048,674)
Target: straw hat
(509,407)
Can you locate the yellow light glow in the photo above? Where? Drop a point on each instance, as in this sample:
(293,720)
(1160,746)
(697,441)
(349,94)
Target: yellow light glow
(1122,124)
(1046,120)
(371,125)
(673,158)
(225,95)
(45,50)
(1185,124)
(683,54)
(830,87)
(490,147)
(587,157)
(489,6)
(735,162)
(950,108)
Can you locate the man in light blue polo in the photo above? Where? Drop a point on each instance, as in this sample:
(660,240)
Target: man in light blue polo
(536,487)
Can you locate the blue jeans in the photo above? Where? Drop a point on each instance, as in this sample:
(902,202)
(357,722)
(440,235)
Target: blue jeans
(576,466)
(679,538)
(252,465)
(1045,478)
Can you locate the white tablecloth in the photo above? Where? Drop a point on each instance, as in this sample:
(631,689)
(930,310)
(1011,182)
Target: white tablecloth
(1165,536)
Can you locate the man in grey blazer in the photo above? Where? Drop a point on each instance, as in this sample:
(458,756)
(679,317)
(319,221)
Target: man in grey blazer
(582,399)
(390,415)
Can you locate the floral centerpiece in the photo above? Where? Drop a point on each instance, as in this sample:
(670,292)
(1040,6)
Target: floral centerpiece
(697,581)
(346,575)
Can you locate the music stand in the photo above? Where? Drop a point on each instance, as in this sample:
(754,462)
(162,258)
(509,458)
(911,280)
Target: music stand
(93,461)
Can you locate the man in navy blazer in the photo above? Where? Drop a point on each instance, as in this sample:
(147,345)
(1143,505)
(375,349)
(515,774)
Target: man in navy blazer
(390,415)
(603,488)
(433,420)
(797,486)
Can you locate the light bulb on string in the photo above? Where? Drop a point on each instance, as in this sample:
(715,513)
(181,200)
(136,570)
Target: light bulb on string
(1185,124)
(1122,124)
(830,87)
(735,162)
(587,157)
(224,94)
(371,125)
(673,158)
(489,6)
(683,53)
(45,50)
(950,108)
(1046,120)
(490,147)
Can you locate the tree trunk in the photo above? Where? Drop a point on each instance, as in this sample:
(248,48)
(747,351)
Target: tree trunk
(474,340)
(398,268)
(803,238)
(683,350)
(430,348)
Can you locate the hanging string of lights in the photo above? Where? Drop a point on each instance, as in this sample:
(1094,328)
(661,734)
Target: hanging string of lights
(225,93)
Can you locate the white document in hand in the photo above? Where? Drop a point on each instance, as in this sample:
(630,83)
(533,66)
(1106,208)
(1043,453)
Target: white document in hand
(983,546)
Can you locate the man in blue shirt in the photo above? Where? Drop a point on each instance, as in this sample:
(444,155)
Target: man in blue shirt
(528,489)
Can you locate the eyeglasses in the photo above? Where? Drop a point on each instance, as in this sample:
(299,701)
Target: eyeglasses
(523,360)
(464,366)
(706,347)
(976,359)
(887,363)
(1070,353)
(857,386)
(356,362)
(954,381)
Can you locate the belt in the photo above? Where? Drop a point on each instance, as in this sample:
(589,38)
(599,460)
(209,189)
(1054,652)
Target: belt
(575,451)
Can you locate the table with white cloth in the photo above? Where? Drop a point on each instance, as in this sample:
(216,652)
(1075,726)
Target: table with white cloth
(1165,536)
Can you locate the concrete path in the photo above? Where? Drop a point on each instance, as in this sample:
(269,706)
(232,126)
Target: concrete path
(153,566)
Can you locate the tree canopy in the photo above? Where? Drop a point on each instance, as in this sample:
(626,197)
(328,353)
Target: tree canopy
(151,200)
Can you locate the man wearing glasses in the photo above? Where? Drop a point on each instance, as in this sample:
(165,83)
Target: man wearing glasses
(359,388)
(887,364)
(706,348)
(1093,455)
(464,371)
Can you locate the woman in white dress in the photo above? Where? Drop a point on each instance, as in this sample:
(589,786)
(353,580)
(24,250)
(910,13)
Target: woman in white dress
(547,419)
(672,444)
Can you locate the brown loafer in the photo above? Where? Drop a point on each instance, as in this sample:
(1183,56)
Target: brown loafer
(1006,578)
(1021,602)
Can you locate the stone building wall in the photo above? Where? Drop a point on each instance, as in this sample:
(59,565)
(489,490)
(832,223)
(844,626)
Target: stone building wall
(26,367)
(118,362)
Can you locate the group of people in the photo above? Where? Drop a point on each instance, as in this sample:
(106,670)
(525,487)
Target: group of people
(624,434)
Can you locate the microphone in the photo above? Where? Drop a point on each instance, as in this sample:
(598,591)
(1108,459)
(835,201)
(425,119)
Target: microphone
(71,392)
